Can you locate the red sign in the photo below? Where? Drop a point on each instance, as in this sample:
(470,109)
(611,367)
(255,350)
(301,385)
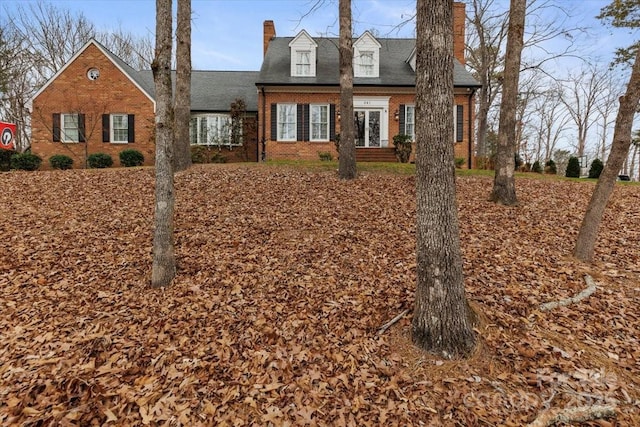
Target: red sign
(7,132)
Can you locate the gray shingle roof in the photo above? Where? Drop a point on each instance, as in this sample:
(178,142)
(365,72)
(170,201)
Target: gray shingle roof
(214,91)
(394,70)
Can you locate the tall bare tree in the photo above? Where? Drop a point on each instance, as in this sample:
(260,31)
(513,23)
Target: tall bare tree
(182,106)
(347,147)
(622,13)
(504,186)
(442,319)
(484,56)
(164,262)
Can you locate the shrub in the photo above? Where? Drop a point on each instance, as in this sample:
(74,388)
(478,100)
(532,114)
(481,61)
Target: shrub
(550,167)
(573,168)
(99,160)
(60,161)
(130,158)
(537,168)
(403,147)
(5,159)
(460,162)
(596,168)
(204,154)
(25,161)
(325,156)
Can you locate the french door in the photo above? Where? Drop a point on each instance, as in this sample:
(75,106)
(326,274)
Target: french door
(367,127)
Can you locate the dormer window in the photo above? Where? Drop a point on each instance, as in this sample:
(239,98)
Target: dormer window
(366,63)
(303,63)
(303,55)
(366,56)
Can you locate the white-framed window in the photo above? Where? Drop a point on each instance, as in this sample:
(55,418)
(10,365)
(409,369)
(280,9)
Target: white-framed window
(366,63)
(69,127)
(410,121)
(119,128)
(212,129)
(286,122)
(303,63)
(319,115)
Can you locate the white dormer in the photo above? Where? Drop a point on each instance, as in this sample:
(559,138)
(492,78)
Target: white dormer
(366,56)
(411,60)
(303,55)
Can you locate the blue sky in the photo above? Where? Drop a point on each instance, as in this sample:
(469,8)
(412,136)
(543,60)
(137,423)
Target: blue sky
(227,34)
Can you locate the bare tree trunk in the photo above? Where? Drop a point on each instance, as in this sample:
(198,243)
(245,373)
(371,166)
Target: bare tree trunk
(182,106)
(164,263)
(442,318)
(347,161)
(588,233)
(504,186)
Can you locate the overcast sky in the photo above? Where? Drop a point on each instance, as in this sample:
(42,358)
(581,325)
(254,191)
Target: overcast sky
(227,34)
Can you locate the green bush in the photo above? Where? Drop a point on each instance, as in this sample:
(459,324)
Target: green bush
(99,160)
(25,161)
(460,162)
(131,157)
(596,168)
(325,156)
(403,147)
(550,167)
(573,168)
(60,161)
(537,168)
(5,159)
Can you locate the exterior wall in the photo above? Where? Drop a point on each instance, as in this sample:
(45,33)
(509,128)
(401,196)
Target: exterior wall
(305,150)
(73,92)
(246,153)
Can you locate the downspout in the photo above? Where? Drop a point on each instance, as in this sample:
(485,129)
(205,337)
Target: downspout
(263,157)
(470,129)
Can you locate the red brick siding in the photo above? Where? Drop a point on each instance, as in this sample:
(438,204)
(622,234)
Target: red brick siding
(304,150)
(72,92)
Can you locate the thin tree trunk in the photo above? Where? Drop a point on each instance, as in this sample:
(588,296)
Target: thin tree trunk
(442,318)
(585,244)
(164,263)
(347,161)
(182,106)
(504,186)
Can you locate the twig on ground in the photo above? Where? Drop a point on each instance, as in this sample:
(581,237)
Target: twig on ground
(591,288)
(391,322)
(573,415)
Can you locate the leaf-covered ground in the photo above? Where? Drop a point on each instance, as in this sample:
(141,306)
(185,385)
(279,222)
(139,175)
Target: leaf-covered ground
(285,277)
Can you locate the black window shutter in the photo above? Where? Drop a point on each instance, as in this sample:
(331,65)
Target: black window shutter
(106,137)
(305,122)
(401,120)
(459,124)
(81,129)
(131,128)
(56,127)
(274,122)
(300,122)
(332,122)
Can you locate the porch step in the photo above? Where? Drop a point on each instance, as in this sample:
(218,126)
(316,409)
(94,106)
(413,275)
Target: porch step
(386,154)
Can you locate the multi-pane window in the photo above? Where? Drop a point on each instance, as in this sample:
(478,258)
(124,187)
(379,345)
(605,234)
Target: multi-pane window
(70,128)
(212,129)
(366,63)
(286,122)
(303,63)
(410,121)
(319,122)
(119,128)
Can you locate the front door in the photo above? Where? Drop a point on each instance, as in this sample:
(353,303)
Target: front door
(367,128)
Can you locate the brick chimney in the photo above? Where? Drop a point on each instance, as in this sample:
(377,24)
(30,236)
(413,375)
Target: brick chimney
(268,33)
(458,31)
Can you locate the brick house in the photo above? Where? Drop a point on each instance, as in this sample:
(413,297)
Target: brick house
(98,103)
(299,94)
